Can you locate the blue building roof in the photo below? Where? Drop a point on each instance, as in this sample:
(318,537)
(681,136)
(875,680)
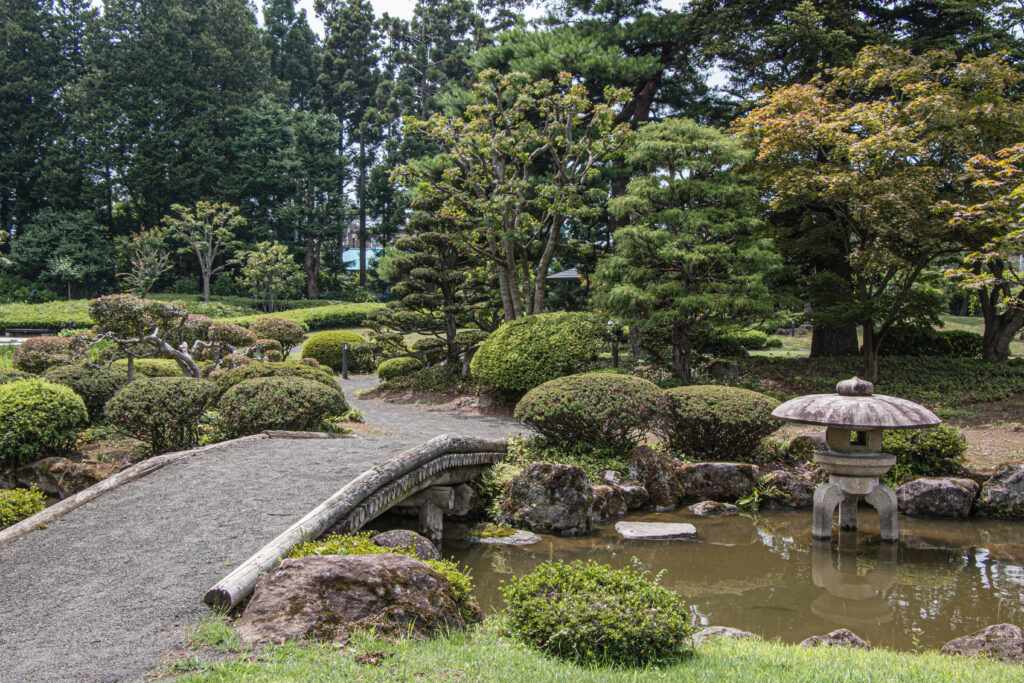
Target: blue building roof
(351,257)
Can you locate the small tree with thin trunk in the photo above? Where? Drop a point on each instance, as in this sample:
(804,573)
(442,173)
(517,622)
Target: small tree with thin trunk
(209,231)
(270,272)
(149,258)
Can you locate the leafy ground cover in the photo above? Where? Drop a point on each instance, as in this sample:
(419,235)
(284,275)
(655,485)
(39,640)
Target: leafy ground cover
(215,653)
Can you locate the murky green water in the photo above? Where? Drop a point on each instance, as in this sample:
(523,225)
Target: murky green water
(766,575)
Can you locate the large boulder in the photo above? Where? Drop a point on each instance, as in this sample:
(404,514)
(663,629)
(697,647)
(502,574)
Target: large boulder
(657,473)
(609,503)
(838,638)
(1003,493)
(327,597)
(550,498)
(634,493)
(1004,642)
(403,538)
(712,508)
(937,497)
(709,632)
(790,491)
(721,481)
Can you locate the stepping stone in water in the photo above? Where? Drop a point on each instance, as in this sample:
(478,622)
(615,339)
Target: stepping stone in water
(654,531)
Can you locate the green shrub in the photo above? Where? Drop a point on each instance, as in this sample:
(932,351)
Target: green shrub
(231,334)
(524,450)
(39,419)
(914,341)
(773,343)
(321,317)
(398,367)
(19,504)
(151,367)
(442,379)
(596,408)
(930,452)
(162,411)
(96,386)
(228,378)
(287,333)
(525,353)
(360,544)
(55,315)
(289,403)
(11,375)
(36,355)
(711,422)
(735,343)
(327,348)
(590,613)
(963,344)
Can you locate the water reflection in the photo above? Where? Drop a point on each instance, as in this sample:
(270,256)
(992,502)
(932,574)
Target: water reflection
(766,575)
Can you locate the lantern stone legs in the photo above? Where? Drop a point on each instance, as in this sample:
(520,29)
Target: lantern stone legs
(852,478)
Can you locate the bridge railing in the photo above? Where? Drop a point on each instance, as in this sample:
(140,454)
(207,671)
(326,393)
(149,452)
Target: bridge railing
(440,460)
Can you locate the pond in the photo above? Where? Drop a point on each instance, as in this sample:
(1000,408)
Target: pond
(764,574)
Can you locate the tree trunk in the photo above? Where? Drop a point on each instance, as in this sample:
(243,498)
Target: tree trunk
(870,351)
(999,327)
(539,285)
(839,340)
(131,369)
(681,350)
(312,269)
(362,210)
(634,340)
(965,307)
(206,287)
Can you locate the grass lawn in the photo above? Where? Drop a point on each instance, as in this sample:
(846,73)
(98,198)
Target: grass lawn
(484,655)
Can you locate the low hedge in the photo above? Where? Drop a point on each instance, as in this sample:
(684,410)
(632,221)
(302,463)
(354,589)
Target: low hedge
(525,353)
(162,411)
(321,317)
(591,614)
(225,379)
(19,504)
(39,419)
(398,367)
(927,341)
(96,386)
(327,348)
(54,315)
(287,333)
(933,452)
(596,408)
(289,403)
(711,422)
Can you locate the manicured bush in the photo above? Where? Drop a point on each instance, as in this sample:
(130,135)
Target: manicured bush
(398,367)
(151,367)
(711,422)
(288,403)
(287,333)
(231,334)
(963,344)
(430,348)
(39,419)
(270,349)
(226,379)
(360,544)
(19,504)
(441,379)
(914,341)
(96,386)
(321,317)
(327,349)
(11,375)
(162,411)
(36,355)
(55,315)
(596,408)
(311,362)
(735,343)
(930,452)
(591,614)
(525,353)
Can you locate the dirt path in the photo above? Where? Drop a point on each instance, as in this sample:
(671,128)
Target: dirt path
(102,592)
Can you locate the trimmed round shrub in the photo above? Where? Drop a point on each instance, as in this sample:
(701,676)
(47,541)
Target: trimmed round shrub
(398,367)
(11,375)
(289,403)
(162,411)
(932,452)
(36,355)
(525,353)
(39,419)
(431,348)
(327,348)
(289,334)
(914,341)
(19,504)
(963,344)
(226,379)
(151,367)
(311,362)
(591,614)
(231,334)
(597,408)
(712,422)
(96,386)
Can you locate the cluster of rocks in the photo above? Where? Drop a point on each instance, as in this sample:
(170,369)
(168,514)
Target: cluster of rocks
(1003,642)
(1000,495)
(558,499)
(56,476)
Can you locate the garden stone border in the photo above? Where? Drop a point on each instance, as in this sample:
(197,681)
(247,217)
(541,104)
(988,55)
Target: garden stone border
(136,471)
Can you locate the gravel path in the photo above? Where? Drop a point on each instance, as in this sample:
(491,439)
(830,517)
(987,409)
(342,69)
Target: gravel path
(101,593)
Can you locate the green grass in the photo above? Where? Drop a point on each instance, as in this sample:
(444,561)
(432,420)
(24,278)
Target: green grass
(484,655)
(6,354)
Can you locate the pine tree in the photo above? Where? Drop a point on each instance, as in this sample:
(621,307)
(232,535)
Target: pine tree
(293,50)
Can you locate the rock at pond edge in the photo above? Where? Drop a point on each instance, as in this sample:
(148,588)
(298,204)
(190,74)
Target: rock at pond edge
(657,473)
(839,638)
(404,538)
(712,508)
(654,531)
(946,497)
(709,632)
(549,498)
(1004,642)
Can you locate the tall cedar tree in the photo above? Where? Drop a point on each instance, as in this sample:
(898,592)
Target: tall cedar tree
(690,257)
(879,146)
(293,50)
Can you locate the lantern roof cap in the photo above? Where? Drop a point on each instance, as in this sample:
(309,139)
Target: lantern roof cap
(856,406)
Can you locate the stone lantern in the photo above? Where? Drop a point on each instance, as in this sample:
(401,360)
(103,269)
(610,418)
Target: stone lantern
(854,418)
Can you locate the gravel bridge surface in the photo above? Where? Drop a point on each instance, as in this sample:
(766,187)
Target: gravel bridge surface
(101,593)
